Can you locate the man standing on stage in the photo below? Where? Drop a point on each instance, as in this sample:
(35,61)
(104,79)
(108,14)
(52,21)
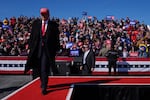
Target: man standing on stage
(88,61)
(112,56)
(43,45)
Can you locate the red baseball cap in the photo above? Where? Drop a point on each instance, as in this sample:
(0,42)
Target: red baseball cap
(44,11)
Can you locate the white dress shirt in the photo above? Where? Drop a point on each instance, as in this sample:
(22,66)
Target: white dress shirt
(85,55)
(46,23)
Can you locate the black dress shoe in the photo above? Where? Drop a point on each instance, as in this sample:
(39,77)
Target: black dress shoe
(44,91)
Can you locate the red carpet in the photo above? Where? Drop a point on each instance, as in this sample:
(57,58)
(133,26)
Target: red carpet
(59,86)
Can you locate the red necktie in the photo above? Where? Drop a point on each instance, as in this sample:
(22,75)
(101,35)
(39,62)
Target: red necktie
(43,29)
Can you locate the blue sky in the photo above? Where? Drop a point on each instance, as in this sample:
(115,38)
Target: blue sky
(134,9)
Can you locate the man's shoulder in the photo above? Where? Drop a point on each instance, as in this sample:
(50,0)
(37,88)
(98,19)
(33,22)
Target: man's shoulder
(54,23)
(36,21)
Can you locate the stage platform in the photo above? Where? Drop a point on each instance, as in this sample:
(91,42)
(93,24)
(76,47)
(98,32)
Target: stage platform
(80,88)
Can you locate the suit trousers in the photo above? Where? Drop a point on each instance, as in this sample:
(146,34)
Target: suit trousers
(45,69)
(112,64)
(85,70)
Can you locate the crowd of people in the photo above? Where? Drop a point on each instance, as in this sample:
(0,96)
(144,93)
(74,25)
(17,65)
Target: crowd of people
(130,37)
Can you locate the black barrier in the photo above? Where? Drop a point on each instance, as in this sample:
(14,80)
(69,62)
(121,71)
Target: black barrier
(70,68)
(75,67)
(63,68)
(111,92)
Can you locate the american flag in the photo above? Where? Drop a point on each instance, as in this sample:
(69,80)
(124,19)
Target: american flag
(12,65)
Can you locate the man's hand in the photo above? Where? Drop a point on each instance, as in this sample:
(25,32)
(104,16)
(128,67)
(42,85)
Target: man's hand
(92,69)
(81,67)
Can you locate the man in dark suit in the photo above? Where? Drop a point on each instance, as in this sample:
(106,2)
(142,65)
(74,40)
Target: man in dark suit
(88,61)
(43,45)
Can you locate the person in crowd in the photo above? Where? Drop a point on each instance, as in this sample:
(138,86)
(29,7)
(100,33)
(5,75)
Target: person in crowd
(112,57)
(88,61)
(103,51)
(125,53)
(43,45)
(143,49)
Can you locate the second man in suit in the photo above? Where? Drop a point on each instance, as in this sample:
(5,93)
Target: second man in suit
(88,61)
